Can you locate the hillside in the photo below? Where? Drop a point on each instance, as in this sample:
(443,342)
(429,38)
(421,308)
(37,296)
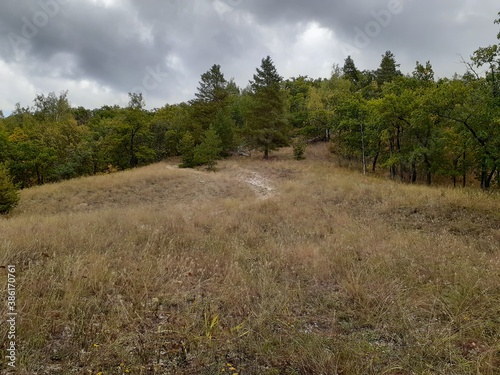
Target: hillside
(264,267)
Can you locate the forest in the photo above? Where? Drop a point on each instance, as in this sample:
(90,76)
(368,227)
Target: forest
(413,127)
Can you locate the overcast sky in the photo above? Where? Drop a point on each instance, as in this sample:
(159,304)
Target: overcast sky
(100,50)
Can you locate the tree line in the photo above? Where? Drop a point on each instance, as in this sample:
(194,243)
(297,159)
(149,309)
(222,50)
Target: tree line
(414,126)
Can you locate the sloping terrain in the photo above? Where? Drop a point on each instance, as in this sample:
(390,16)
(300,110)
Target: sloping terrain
(263,267)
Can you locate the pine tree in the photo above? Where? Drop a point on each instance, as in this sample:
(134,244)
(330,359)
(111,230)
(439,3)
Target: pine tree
(299,148)
(211,108)
(208,151)
(350,71)
(186,149)
(267,127)
(388,69)
(424,73)
(9,197)
(213,86)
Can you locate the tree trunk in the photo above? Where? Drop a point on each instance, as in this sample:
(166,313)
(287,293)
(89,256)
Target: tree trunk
(374,165)
(483,177)
(393,166)
(363,148)
(133,158)
(455,170)
(413,173)
(38,176)
(464,183)
(489,178)
(428,169)
(375,160)
(401,165)
(266,153)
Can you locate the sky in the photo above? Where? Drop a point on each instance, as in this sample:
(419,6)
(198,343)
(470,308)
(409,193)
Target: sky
(100,50)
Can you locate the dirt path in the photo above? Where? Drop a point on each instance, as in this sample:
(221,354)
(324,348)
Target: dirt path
(261,185)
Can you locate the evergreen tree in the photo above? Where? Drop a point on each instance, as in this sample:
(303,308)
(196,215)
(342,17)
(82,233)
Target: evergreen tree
(209,150)
(299,148)
(213,86)
(267,126)
(211,108)
(186,150)
(350,71)
(388,69)
(424,73)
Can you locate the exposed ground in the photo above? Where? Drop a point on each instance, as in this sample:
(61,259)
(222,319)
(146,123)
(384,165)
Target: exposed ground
(277,267)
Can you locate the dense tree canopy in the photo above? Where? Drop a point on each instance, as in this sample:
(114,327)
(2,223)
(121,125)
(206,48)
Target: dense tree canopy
(411,126)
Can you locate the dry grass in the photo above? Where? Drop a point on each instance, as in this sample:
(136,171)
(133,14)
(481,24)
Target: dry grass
(279,267)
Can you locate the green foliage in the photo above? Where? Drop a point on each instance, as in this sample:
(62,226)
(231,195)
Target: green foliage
(298,92)
(413,126)
(299,148)
(224,127)
(213,86)
(267,126)
(212,107)
(388,69)
(9,197)
(267,76)
(186,150)
(208,151)
(424,73)
(350,72)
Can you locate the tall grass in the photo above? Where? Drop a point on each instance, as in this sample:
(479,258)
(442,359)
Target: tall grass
(166,271)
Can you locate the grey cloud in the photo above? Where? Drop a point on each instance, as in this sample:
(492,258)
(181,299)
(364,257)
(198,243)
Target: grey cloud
(119,46)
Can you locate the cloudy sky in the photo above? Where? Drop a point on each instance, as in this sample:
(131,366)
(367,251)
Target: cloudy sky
(100,50)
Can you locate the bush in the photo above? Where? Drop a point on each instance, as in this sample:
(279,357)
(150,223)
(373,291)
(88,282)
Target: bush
(9,196)
(186,149)
(208,152)
(299,148)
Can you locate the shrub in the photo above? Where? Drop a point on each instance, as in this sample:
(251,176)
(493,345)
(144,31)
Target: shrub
(9,196)
(299,147)
(186,149)
(208,152)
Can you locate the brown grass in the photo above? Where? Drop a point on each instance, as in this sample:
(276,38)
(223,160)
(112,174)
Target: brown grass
(278,267)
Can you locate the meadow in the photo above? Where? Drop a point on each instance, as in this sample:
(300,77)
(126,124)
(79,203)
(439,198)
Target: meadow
(262,267)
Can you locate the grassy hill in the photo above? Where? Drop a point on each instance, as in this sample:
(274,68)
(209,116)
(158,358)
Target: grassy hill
(277,267)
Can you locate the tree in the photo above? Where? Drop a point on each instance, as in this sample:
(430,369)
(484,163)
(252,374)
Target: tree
(350,72)
(213,86)
(212,107)
(490,56)
(9,197)
(209,150)
(299,148)
(424,73)
(388,69)
(186,150)
(53,108)
(267,126)
(3,145)
(298,92)
(133,134)
(472,107)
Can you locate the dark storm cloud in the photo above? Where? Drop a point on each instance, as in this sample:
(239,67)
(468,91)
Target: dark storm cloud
(107,45)
(161,47)
(414,30)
